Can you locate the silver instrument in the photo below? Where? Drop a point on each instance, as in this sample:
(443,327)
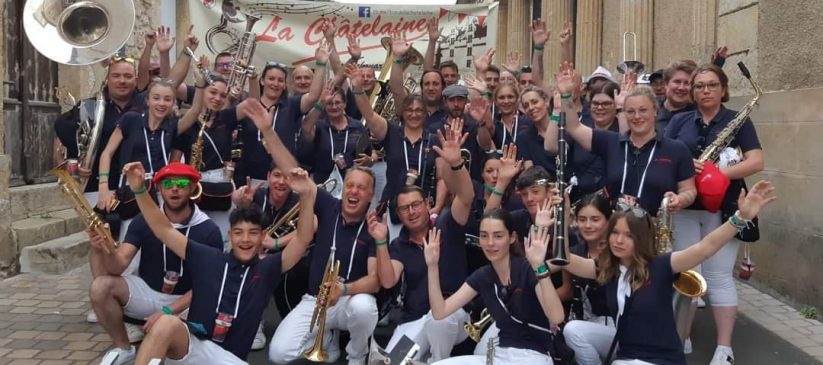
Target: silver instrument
(241,68)
(402,354)
(630,64)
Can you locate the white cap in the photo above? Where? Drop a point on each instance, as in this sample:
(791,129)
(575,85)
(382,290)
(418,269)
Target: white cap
(601,71)
(643,79)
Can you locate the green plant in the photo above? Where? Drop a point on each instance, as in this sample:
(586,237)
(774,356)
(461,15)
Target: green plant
(809,312)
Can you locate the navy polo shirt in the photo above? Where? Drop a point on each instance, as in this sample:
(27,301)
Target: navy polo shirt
(686,128)
(470,127)
(503,136)
(66,124)
(590,169)
(255,161)
(217,142)
(351,107)
(137,135)
(530,148)
(670,164)
(344,141)
(452,266)
(349,236)
(208,266)
(522,224)
(400,151)
(648,330)
(270,212)
(151,268)
(664,115)
(595,294)
(520,309)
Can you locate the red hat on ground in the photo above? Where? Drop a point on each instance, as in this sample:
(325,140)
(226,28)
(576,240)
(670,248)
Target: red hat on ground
(176,169)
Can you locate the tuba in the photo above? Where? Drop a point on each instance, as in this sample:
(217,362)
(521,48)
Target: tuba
(241,68)
(381,98)
(318,317)
(475,330)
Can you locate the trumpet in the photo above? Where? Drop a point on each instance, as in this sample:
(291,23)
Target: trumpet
(241,69)
(318,317)
(475,330)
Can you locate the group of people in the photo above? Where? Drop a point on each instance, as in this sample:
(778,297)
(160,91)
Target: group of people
(450,204)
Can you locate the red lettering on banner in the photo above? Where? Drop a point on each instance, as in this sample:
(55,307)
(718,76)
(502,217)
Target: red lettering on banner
(272,35)
(376,28)
(314,33)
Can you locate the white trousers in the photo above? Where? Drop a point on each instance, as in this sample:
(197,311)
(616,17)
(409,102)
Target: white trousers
(355,313)
(436,337)
(690,226)
(631,362)
(590,339)
(502,356)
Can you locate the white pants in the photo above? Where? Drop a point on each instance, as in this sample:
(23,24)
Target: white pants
(502,356)
(437,337)
(631,362)
(483,344)
(356,314)
(379,169)
(590,339)
(143,300)
(205,352)
(214,176)
(690,226)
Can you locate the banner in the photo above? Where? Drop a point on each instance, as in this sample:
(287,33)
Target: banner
(289,31)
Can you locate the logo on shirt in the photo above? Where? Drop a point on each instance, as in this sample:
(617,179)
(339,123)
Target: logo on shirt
(663,160)
(256,277)
(361,242)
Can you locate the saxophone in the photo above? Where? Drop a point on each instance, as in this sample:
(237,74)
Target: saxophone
(197,146)
(90,218)
(663,227)
(710,181)
(241,69)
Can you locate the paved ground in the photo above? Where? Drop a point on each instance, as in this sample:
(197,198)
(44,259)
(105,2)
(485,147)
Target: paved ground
(42,322)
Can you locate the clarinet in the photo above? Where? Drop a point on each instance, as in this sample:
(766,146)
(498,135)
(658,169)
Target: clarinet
(561,252)
(428,176)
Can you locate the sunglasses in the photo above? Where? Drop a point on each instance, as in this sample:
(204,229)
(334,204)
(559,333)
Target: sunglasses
(180,182)
(273,64)
(637,212)
(505,293)
(163,81)
(118,59)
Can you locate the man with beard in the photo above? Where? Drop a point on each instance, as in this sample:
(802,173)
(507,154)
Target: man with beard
(162,284)
(404,257)
(339,232)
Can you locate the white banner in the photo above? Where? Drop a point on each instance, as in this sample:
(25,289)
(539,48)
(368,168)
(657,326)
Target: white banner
(289,31)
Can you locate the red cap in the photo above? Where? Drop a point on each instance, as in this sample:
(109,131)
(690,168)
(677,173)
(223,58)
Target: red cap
(711,186)
(176,169)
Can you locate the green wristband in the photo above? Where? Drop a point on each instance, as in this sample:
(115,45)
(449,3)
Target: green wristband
(345,289)
(361,92)
(140,191)
(381,243)
(554,118)
(492,190)
(320,63)
(538,47)
(565,96)
(167,310)
(542,269)
(399,61)
(276,243)
(103,174)
(318,107)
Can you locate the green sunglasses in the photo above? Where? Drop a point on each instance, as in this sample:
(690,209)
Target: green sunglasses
(180,182)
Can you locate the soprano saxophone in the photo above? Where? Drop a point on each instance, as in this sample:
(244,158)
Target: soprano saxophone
(197,146)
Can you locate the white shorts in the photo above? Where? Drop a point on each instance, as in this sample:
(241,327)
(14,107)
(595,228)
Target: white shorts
(143,300)
(205,352)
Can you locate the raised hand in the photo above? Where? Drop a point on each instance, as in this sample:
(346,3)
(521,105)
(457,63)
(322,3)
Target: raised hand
(758,197)
(257,113)
(433,26)
(164,39)
(512,62)
(478,109)
(199,77)
(626,86)
(540,34)
(329,29)
(565,78)
(327,93)
(300,182)
(720,54)
(399,45)
(246,196)
(509,165)
(451,142)
(566,34)
(150,38)
(432,247)
(536,245)
(379,230)
(475,83)
(322,52)
(355,77)
(135,175)
(191,40)
(482,63)
(545,213)
(354,47)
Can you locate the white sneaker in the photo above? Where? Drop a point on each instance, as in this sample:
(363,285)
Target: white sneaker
(91,317)
(687,346)
(722,356)
(701,303)
(134,332)
(118,356)
(259,342)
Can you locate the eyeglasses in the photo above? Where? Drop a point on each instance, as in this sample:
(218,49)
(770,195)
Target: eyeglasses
(222,64)
(407,209)
(712,86)
(416,111)
(272,64)
(118,59)
(179,182)
(605,104)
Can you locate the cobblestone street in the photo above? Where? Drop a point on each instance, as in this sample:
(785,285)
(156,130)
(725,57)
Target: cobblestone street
(43,322)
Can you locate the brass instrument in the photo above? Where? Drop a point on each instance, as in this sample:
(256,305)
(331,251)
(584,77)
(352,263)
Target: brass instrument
(318,318)
(561,246)
(382,101)
(288,222)
(402,354)
(475,330)
(229,14)
(663,227)
(241,68)
(490,352)
(630,65)
(197,146)
(90,218)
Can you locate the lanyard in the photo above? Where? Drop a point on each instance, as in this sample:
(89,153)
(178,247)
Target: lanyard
(273,123)
(345,141)
(511,315)
(239,292)
(162,146)
(625,167)
(181,261)
(514,130)
(353,244)
(419,157)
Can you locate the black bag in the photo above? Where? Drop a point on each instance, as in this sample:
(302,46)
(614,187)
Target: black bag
(216,196)
(561,353)
(750,233)
(127,207)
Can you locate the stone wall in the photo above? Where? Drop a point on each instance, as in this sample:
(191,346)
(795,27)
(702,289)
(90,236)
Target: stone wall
(8,252)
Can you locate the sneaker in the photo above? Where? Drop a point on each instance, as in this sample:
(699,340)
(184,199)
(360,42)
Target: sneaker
(91,317)
(118,356)
(723,355)
(687,346)
(701,303)
(259,342)
(134,332)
